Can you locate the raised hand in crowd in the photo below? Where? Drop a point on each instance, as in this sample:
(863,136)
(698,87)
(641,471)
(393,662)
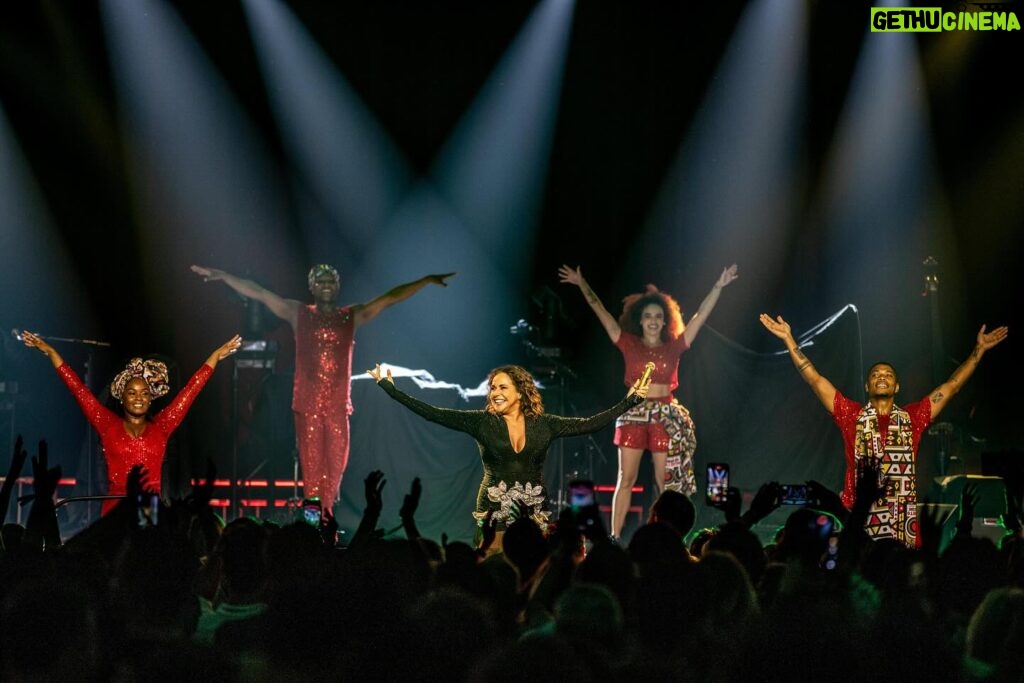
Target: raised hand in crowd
(825,499)
(328,528)
(930,520)
(1012,512)
(410,504)
(372,487)
(488,532)
(969,498)
(870,487)
(18,458)
(733,504)
(765,501)
(42,518)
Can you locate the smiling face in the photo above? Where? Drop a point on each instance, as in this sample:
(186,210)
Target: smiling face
(881,381)
(652,320)
(136,397)
(503,397)
(324,288)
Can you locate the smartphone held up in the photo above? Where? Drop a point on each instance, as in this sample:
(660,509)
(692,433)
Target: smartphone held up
(718,484)
(583,504)
(794,494)
(311,511)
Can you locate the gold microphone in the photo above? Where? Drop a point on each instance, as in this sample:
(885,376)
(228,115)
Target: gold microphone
(646,376)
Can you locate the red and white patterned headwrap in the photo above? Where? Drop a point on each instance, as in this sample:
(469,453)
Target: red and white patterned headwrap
(153,371)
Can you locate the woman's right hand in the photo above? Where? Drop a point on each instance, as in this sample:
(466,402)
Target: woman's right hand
(570,276)
(376,374)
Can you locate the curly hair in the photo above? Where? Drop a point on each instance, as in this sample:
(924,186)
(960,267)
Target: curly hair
(530,401)
(153,371)
(633,307)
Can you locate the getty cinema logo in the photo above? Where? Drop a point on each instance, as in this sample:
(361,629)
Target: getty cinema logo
(990,16)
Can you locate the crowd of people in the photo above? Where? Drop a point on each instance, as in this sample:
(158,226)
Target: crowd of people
(181,596)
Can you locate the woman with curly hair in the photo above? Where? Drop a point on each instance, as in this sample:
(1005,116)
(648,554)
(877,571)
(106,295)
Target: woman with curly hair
(513,433)
(651,330)
(133,437)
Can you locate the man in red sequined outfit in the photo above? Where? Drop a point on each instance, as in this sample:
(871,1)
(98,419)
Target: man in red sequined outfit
(324,336)
(883,431)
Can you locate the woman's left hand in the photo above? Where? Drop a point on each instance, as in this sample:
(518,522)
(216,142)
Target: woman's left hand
(230,346)
(224,351)
(640,388)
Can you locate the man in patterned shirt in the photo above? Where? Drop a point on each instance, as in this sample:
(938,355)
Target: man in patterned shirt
(881,430)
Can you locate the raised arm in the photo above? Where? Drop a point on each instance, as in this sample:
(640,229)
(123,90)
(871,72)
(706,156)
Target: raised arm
(460,420)
(227,349)
(364,313)
(945,391)
(286,309)
(98,415)
(172,415)
(574,426)
(608,321)
(821,387)
(697,321)
(34,341)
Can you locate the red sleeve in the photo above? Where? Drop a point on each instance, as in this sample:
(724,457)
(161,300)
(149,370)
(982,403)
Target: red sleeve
(170,417)
(680,345)
(920,417)
(844,410)
(98,415)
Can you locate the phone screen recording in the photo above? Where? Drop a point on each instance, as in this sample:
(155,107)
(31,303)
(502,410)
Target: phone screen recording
(581,494)
(311,511)
(718,483)
(793,494)
(583,504)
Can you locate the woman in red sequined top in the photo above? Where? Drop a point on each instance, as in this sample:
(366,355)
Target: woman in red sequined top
(651,329)
(133,437)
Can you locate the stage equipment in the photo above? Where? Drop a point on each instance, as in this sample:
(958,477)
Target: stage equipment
(253,354)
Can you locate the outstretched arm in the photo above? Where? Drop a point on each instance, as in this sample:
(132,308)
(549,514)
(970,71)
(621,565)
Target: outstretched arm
(460,420)
(821,387)
(364,313)
(34,341)
(286,309)
(575,426)
(608,321)
(945,391)
(227,349)
(697,321)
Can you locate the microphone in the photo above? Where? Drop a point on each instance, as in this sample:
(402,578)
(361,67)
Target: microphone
(646,376)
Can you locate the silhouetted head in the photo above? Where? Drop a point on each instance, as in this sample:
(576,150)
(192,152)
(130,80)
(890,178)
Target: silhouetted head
(675,509)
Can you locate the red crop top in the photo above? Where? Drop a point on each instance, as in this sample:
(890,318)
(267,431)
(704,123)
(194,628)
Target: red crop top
(664,357)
